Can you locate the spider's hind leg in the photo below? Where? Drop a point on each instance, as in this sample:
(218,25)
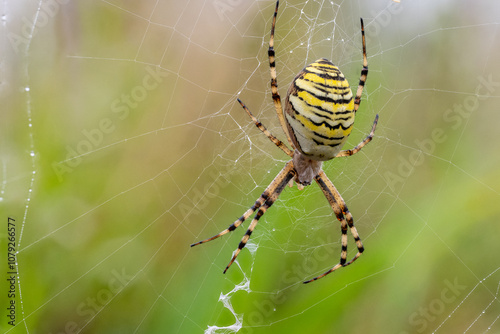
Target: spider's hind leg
(269,135)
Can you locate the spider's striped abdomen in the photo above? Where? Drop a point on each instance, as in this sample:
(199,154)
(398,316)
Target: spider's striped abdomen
(319,110)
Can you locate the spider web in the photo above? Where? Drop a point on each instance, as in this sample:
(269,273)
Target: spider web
(122,144)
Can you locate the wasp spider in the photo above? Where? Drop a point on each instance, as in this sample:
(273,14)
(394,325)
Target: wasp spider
(317,119)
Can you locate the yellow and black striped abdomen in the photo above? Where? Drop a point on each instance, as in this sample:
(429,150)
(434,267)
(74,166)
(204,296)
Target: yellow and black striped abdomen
(319,110)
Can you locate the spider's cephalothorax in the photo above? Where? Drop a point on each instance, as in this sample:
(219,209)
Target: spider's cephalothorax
(318,118)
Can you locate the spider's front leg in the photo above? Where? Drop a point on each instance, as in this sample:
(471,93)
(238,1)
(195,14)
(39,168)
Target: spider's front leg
(237,223)
(344,216)
(269,196)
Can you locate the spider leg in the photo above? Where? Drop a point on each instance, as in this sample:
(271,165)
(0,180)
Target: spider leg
(274,79)
(357,100)
(364,71)
(269,196)
(262,128)
(237,223)
(344,216)
(346,153)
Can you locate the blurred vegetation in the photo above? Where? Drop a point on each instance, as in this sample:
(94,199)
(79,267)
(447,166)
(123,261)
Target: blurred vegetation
(141,150)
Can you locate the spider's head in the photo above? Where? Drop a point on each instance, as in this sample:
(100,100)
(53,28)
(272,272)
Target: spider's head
(305,168)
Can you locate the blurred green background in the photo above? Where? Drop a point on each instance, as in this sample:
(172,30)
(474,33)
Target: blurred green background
(122,143)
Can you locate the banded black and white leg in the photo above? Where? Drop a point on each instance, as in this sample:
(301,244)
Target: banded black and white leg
(344,216)
(269,196)
(261,205)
